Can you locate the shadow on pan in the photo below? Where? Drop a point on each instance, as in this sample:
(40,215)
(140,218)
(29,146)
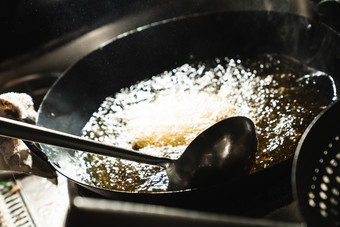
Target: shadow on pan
(162,46)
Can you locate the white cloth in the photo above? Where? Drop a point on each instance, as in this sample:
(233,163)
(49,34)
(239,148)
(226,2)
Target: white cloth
(14,154)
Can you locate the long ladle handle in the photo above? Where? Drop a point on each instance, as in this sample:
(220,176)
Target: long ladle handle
(20,130)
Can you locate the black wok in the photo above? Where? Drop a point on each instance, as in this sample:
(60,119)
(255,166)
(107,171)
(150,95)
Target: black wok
(162,46)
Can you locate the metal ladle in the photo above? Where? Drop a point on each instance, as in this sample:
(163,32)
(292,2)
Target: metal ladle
(223,151)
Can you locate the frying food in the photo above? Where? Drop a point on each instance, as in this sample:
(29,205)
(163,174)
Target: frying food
(163,114)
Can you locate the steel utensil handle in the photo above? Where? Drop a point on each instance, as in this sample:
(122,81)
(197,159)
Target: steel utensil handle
(20,130)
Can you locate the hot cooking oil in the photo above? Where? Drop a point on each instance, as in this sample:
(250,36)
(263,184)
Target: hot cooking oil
(163,114)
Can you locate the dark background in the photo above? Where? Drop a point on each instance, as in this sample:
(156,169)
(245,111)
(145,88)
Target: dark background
(28,24)
(35,26)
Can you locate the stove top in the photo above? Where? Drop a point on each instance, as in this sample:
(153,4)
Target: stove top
(83,208)
(47,203)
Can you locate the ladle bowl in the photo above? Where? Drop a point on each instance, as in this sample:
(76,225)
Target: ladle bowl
(224,151)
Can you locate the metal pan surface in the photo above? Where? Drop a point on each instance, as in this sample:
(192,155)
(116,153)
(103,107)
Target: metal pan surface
(152,49)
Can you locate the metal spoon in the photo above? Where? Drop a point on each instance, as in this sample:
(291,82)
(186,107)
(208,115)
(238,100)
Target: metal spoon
(223,151)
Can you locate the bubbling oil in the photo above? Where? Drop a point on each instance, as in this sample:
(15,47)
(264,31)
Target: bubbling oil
(162,115)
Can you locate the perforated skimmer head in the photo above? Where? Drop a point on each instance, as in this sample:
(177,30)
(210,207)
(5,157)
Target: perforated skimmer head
(316,170)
